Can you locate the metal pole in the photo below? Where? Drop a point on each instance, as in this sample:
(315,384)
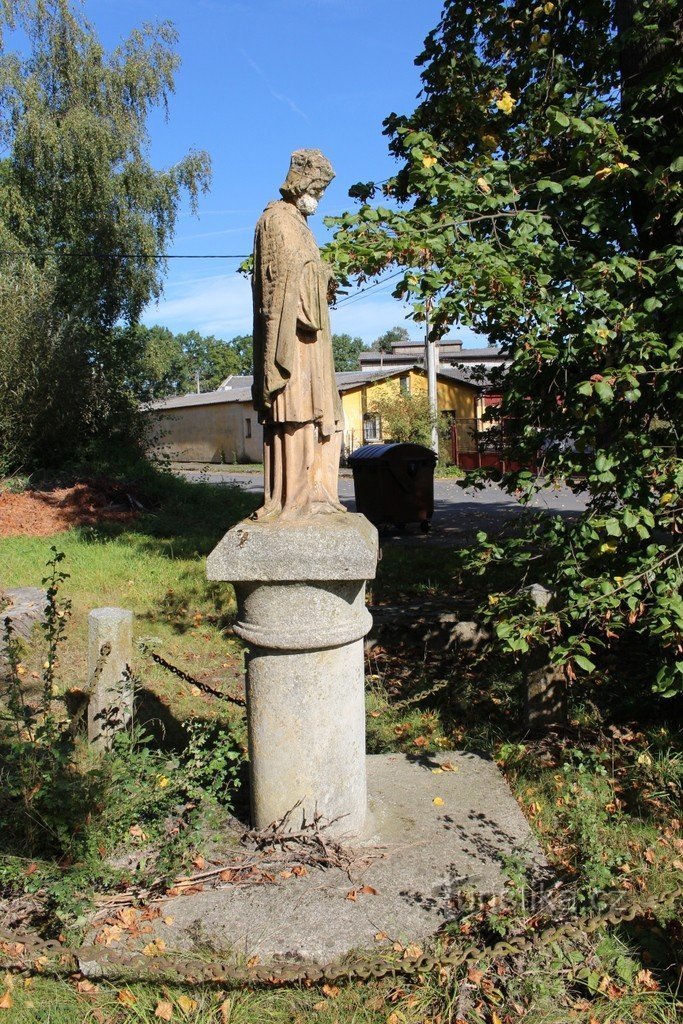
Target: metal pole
(431,357)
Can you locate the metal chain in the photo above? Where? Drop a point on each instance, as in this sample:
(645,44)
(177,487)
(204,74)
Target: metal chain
(127,966)
(417,697)
(240,701)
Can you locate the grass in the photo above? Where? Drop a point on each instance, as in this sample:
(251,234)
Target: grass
(603,797)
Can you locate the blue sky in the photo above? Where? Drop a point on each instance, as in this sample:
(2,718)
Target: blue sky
(260,78)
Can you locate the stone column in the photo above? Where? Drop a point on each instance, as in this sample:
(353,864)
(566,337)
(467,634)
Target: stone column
(110,653)
(300,588)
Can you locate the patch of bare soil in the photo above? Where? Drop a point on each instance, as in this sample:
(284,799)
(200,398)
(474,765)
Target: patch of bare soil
(35,513)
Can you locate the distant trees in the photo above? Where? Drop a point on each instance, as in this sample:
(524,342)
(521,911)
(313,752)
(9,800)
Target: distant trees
(83,217)
(176,364)
(394,336)
(346,352)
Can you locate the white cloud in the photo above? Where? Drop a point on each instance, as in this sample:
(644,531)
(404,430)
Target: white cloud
(219,305)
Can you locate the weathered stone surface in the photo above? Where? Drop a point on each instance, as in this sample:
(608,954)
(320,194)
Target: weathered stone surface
(300,589)
(546,698)
(110,654)
(294,388)
(343,547)
(426,854)
(25,610)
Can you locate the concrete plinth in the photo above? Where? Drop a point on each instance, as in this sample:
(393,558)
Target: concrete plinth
(300,589)
(439,840)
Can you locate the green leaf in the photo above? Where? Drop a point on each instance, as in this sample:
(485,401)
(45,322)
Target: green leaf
(546,185)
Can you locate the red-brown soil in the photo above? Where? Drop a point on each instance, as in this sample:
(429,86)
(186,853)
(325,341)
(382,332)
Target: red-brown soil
(42,513)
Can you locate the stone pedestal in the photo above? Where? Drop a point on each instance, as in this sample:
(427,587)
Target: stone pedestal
(300,588)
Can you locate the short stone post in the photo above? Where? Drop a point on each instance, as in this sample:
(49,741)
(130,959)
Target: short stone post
(300,588)
(110,653)
(546,687)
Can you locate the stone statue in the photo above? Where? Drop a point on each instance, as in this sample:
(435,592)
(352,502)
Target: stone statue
(294,391)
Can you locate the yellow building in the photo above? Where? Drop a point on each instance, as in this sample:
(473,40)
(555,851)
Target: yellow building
(457,398)
(221,426)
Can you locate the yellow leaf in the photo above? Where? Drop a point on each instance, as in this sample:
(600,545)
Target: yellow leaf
(489,141)
(162,782)
(506,103)
(604,172)
(437,801)
(164,1010)
(548,8)
(169,920)
(666,499)
(544,38)
(381,936)
(5,1001)
(428,161)
(154,948)
(437,771)
(186,1004)
(484,185)
(623,167)
(126,998)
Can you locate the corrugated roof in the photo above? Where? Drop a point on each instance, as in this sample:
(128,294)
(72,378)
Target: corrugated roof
(346,381)
(235,381)
(208,398)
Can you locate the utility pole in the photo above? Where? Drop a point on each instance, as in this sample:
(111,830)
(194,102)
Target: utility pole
(431,363)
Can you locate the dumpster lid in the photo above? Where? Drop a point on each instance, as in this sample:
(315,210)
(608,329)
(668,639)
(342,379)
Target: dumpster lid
(398,450)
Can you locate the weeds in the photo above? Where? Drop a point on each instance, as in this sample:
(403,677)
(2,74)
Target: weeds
(74,824)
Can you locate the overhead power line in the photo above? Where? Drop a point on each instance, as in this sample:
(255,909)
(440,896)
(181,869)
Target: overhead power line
(29,254)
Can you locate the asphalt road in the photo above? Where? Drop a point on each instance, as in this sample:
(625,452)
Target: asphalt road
(458,513)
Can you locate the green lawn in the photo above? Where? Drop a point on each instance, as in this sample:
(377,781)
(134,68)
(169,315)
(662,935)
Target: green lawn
(603,798)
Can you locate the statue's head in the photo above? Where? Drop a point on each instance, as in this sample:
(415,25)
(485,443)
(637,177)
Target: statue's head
(309,175)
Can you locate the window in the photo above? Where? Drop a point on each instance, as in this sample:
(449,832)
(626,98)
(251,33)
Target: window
(247,427)
(371,426)
(405,385)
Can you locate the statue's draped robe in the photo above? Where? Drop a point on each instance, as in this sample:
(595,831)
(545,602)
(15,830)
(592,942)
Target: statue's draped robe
(294,389)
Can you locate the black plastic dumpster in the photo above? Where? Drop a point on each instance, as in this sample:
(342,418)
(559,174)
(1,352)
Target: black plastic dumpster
(394,483)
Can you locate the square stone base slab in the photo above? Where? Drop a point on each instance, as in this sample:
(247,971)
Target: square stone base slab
(431,852)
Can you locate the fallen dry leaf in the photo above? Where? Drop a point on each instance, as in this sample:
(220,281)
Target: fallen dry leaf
(136,832)
(645,979)
(86,987)
(154,948)
(199,862)
(169,920)
(126,998)
(448,767)
(330,991)
(164,1010)
(299,871)
(367,890)
(352,895)
(438,801)
(187,1004)
(412,952)
(381,936)
(6,1001)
